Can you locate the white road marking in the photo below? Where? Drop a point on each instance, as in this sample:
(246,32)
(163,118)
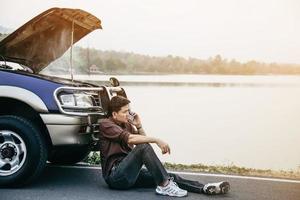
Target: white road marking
(195,174)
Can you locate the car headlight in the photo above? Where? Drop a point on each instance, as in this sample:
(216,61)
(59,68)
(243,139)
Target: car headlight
(78,100)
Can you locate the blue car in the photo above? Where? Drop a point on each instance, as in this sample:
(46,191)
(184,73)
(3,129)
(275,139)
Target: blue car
(44,118)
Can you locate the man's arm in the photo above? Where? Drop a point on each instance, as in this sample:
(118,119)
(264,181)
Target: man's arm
(141,139)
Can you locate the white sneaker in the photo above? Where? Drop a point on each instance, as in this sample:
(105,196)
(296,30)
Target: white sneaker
(171,189)
(216,188)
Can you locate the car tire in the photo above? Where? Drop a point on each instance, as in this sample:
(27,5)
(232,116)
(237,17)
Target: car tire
(68,156)
(23,151)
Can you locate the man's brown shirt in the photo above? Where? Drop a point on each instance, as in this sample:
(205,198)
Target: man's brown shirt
(113,143)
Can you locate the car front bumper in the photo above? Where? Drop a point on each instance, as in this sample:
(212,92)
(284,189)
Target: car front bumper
(71,130)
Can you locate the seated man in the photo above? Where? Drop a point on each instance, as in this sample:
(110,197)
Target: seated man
(125,149)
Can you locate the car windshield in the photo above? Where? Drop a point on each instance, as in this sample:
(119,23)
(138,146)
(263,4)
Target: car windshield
(11,65)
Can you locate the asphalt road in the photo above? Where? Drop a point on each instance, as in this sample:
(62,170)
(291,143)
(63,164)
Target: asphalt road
(82,183)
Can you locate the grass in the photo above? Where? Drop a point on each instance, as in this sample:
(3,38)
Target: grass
(94,159)
(235,170)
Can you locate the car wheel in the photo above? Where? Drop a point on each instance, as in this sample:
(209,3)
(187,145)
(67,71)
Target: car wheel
(23,151)
(69,155)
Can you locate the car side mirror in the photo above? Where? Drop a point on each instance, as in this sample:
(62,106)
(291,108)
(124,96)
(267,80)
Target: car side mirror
(114,81)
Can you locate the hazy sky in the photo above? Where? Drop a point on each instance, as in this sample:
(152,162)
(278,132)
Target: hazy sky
(263,30)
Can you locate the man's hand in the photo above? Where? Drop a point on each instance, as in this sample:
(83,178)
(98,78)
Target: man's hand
(136,120)
(165,148)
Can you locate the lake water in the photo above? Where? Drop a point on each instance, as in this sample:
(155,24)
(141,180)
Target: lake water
(237,123)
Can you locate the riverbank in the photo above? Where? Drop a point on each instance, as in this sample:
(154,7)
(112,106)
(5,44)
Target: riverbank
(193,80)
(94,159)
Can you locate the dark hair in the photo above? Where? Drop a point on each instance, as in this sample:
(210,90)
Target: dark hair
(116,103)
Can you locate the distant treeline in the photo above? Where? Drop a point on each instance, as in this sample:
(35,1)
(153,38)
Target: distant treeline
(110,62)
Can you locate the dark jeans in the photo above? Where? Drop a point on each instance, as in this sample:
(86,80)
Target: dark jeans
(129,172)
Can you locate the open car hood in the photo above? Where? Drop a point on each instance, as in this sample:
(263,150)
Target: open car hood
(47,37)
